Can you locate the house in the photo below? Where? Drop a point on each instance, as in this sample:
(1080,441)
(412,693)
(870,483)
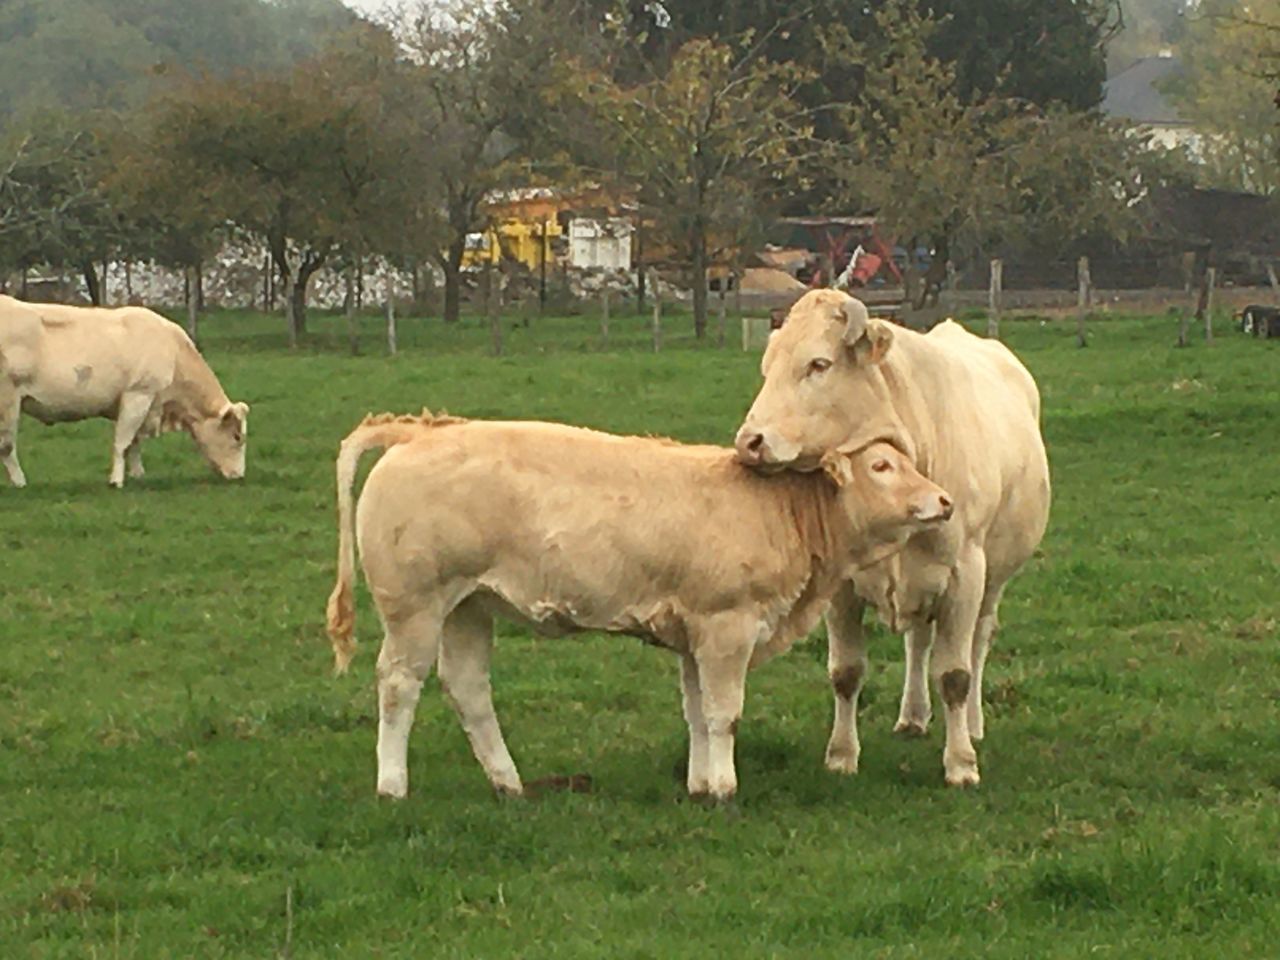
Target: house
(1138,97)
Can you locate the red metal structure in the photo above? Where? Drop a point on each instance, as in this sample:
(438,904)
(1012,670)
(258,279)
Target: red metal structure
(834,237)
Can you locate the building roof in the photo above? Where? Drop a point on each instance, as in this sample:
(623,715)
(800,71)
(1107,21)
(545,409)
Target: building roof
(1136,94)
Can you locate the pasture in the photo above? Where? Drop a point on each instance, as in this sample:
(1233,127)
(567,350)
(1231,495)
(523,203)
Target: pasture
(181,776)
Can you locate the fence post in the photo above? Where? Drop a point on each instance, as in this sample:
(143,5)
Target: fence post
(193,311)
(657,314)
(1271,276)
(604,318)
(949,296)
(1084,297)
(720,317)
(993,298)
(1211,276)
(353,332)
(392,342)
(495,320)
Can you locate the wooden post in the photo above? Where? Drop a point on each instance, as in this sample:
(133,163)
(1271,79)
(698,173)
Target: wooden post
(657,315)
(1188,272)
(128,282)
(495,319)
(604,318)
(949,292)
(1211,275)
(1202,306)
(193,312)
(392,340)
(349,308)
(720,317)
(993,298)
(1084,297)
(1275,284)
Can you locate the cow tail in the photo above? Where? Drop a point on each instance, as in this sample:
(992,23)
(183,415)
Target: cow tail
(341,611)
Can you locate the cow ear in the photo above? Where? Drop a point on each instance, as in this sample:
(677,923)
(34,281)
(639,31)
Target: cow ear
(230,413)
(838,466)
(869,339)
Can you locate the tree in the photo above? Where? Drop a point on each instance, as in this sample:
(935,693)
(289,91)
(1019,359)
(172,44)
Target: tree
(974,175)
(279,154)
(711,145)
(55,209)
(1232,58)
(467,149)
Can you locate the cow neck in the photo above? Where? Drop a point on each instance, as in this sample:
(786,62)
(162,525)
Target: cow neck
(825,531)
(899,380)
(195,393)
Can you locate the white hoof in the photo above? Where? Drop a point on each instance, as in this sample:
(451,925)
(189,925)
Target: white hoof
(842,759)
(911,728)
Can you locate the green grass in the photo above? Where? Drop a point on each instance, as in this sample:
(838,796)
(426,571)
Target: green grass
(176,759)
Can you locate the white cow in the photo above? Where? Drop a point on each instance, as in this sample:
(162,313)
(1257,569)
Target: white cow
(568,529)
(130,365)
(966,413)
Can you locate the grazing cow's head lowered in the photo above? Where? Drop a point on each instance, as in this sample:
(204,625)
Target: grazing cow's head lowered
(823,386)
(221,439)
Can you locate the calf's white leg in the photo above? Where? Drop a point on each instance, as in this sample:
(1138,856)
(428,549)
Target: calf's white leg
(697,776)
(130,417)
(953,663)
(915,710)
(10,411)
(464,675)
(847,667)
(723,650)
(409,651)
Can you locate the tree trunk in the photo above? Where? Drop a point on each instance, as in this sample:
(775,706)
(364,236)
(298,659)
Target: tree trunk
(640,270)
(199,285)
(451,265)
(721,319)
(91,282)
(491,310)
(699,283)
(296,305)
(657,320)
(128,282)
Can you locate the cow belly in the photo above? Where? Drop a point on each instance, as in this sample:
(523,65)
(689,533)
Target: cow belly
(65,408)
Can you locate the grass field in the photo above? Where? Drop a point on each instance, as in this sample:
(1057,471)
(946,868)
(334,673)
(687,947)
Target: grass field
(181,776)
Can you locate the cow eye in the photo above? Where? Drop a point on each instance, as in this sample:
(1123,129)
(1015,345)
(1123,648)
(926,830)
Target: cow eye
(818,365)
(880,466)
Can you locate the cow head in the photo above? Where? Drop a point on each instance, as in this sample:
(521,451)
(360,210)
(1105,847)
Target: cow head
(823,386)
(885,496)
(221,438)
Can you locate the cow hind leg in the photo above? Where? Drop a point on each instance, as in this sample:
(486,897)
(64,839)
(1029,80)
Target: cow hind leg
(847,667)
(697,776)
(130,418)
(983,634)
(915,711)
(464,675)
(409,650)
(10,411)
(722,649)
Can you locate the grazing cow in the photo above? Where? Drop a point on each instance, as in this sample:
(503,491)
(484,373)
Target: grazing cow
(567,529)
(966,414)
(1260,321)
(130,365)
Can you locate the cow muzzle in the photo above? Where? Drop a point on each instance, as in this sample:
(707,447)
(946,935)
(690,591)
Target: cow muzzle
(933,508)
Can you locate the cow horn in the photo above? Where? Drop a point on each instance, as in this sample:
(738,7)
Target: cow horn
(855,317)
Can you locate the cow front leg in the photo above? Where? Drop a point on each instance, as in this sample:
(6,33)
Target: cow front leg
(697,772)
(723,653)
(10,411)
(464,675)
(915,710)
(847,668)
(953,664)
(130,418)
(133,459)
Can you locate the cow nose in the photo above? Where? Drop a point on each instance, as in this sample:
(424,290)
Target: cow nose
(945,502)
(750,446)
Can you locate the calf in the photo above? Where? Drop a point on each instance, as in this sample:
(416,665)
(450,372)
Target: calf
(1260,321)
(130,365)
(567,530)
